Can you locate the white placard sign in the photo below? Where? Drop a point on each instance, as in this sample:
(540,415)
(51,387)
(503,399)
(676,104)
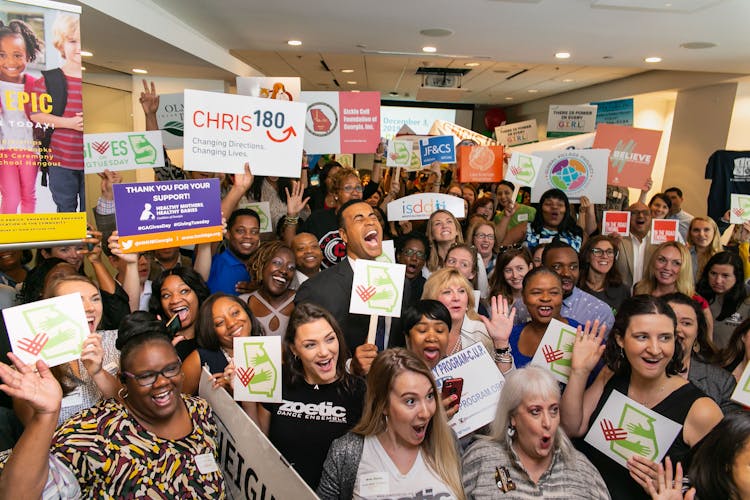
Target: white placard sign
(248,460)
(523,169)
(122,151)
(389,252)
(556,349)
(421,206)
(582,141)
(576,172)
(517,133)
(741,392)
(285,88)
(225,131)
(377,288)
(739,210)
(52,330)
(481,388)
(566,120)
(257,362)
(624,428)
(399,153)
(263,209)
(170,118)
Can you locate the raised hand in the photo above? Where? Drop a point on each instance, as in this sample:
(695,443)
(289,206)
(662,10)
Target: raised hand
(501,319)
(93,250)
(588,348)
(34,384)
(244,180)
(109,178)
(114,247)
(295,202)
(149,98)
(92,355)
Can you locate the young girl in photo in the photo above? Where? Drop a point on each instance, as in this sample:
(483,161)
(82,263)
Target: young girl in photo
(19,46)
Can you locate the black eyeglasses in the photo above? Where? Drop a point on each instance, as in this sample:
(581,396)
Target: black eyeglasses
(514,246)
(598,252)
(410,252)
(149,378)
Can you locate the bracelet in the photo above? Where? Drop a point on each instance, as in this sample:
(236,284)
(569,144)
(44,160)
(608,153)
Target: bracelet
(503,358)
(504,350)
(292,221)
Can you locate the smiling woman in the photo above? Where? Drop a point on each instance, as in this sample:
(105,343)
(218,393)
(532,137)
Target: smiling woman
(272,268)
(150,422)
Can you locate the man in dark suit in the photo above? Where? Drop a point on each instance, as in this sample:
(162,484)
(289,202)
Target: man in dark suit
(332,287)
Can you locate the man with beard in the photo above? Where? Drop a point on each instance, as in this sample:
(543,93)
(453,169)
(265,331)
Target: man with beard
(634,250)
(577,304)
(230,266)
(332,287)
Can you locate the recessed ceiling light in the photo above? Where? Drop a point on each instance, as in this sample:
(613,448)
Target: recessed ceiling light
(355,91)
(436,32)
(697,45)
(568,80)
(508,98)
(563,55)
(533,91)
(429,49)
(86,53)
(140,71)
(471,65)
(347,71)
(294,43)
(653,59)
(351,82)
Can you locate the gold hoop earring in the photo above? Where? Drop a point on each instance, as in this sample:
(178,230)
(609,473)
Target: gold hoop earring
(120,393)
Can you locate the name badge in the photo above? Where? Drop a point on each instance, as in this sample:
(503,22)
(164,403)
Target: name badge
(616,195)
(375,483)
(206,463)
(522,217)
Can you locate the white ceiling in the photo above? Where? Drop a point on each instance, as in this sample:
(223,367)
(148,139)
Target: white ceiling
(608,39)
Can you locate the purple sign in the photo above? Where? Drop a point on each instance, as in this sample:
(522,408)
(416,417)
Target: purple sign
(154,215)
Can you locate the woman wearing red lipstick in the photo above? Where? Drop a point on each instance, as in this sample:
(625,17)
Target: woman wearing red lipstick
(91,378)
(644,361)
(322,401)
(110,450)
(402,447)
(222,318)
(527,451)
(599,276)
(542,295)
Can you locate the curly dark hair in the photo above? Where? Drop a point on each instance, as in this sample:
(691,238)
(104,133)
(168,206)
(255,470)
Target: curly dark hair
(17,27)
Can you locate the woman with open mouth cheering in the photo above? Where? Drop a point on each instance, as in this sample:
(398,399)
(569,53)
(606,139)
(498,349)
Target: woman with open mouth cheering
(402,446)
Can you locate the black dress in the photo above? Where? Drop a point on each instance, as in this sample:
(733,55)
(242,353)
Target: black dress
(675,407)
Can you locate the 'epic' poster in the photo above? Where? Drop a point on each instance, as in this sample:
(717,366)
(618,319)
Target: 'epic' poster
(41,111)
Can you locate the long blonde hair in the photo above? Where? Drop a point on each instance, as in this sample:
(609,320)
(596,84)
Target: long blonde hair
(435,261)
(439,446)
(685,283)
(446,278)
(713,248)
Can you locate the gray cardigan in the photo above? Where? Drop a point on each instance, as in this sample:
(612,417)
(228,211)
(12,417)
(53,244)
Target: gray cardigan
(340,468)
(718,384)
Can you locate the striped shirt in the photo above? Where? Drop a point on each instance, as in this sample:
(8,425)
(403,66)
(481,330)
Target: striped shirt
(564,479)
(67,144)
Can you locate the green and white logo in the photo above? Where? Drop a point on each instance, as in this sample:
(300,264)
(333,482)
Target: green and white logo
(641,435)
(257,363)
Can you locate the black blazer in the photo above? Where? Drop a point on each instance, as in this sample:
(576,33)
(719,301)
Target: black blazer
(331,288)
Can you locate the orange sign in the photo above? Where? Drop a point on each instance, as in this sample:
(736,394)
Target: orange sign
(614,222)
(663,230)
(480,163)
(632,153)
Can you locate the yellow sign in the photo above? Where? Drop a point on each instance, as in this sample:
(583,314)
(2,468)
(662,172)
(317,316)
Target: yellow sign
(29,228)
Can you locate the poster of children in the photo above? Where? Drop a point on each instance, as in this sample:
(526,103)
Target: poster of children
(41,110)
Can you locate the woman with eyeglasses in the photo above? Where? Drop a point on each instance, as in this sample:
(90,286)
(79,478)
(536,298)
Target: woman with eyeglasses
(553,220)
(412,250)
(151,441)
(345,186)
(481,234)
(599,275)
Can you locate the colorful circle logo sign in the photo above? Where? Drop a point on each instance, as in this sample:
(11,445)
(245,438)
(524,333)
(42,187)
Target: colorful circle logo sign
(570,173)
(321,119)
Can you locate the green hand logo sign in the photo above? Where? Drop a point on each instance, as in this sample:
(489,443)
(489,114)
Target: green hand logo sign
(58,335)
(565,343)
(385,296)
(525,170)
(145,152)
(641,435)
(401,153)
(261,214)
(264,374)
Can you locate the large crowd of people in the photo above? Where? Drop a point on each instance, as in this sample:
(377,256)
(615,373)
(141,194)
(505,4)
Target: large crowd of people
(665,325)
